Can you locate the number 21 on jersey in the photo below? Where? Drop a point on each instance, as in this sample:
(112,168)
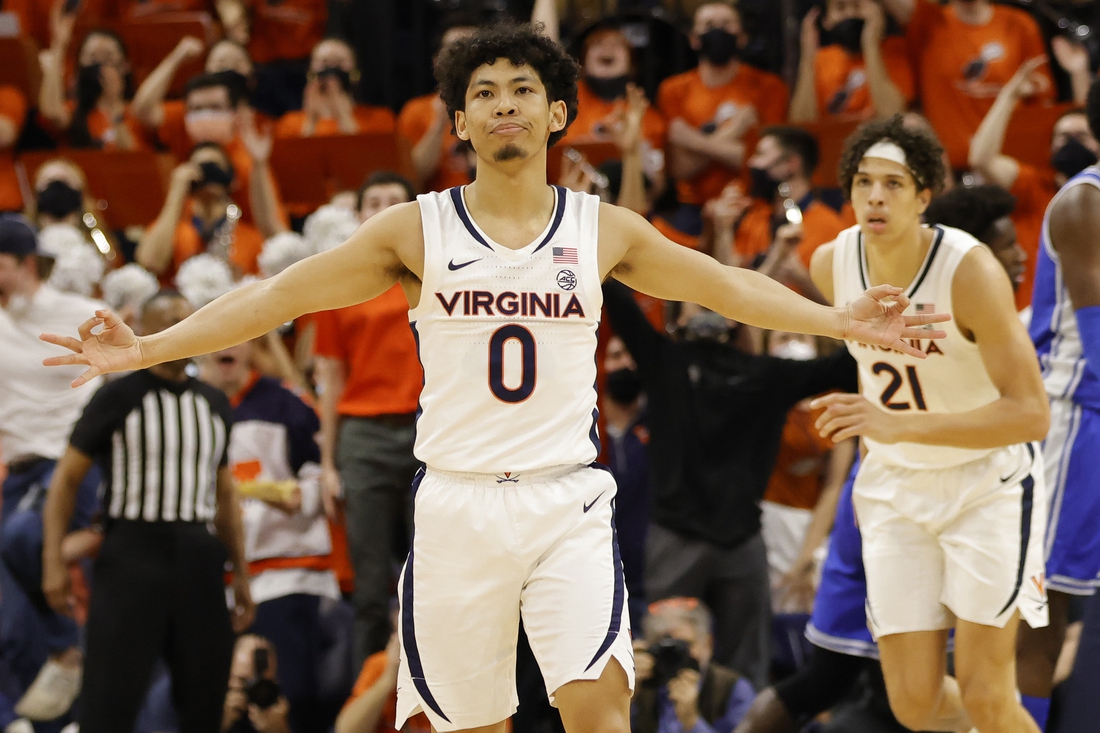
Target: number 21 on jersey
(889,397)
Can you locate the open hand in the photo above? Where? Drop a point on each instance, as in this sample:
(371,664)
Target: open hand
(1027,81)
(811,36)
(874,23)
(1070,55)
(876,318)
(114,348)
(56,586)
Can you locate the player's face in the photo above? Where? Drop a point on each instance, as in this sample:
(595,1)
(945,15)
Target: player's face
(1002,240)
(885,199)
(508,116)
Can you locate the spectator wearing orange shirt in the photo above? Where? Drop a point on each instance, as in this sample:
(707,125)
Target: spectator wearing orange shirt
(100,116)
(279,34)
(199,216)
(781,169)
(369,380)
(847,67)
(1072,149)
(13,112)
(328,103)
(602,109)
(963,54)
(711,108)
(438,156)
(372,707)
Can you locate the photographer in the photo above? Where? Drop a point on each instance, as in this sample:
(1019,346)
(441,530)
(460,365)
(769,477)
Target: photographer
(679,689)
(254,701)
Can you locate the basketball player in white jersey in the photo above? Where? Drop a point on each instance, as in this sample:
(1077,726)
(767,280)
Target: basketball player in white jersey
(503,281)
(949,497)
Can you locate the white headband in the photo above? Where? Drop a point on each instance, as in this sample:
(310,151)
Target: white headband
(887,150)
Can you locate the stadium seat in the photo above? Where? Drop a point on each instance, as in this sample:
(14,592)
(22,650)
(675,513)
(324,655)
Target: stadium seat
(19,65)
(150,39)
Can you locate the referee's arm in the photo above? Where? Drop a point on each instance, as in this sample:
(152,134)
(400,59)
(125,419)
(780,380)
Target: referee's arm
(56,515)
(227,525)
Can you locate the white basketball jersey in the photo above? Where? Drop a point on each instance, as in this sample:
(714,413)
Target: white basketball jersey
(951,379)
(507,339)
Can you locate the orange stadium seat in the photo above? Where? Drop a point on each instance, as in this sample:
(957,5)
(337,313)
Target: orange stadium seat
(310,170)
(830,135)
(130,185)
(19,65)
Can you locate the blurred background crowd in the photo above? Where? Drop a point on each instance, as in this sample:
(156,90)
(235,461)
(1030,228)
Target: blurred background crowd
(192,145)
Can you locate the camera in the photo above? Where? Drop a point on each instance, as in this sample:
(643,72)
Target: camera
(670,657)
(261,692)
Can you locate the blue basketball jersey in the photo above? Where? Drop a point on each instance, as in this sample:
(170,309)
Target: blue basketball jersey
(1066,373)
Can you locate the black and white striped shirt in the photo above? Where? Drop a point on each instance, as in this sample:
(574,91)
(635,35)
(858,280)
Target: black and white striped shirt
(160,445)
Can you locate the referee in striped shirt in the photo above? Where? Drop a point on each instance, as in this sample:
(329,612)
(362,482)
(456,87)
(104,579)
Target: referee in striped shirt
(160,438)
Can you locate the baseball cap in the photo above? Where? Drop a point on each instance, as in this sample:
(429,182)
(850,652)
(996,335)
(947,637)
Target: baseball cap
(17,237)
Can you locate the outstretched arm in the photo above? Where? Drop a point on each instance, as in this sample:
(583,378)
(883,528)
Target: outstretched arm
(638,255)
(390,247)
(985,154)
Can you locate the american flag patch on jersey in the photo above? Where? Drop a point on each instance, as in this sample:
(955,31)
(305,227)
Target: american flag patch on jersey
(926,308)
(565,255)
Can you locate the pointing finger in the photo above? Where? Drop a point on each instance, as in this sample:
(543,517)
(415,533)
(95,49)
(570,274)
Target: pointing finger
(925,318)
(921,333)
(66,341)
(66,360)
(86,377)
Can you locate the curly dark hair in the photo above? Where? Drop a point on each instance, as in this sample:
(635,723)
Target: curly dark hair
(520,44)
(974,210)
(923,152)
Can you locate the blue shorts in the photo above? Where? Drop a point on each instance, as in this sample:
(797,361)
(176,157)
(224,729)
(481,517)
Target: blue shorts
(1071,453)
(839,620)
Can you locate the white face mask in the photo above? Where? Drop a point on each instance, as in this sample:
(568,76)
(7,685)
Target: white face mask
(795,350)
(210,126)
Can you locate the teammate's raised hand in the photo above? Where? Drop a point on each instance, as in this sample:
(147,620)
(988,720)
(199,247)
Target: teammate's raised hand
(877,318)
(113,348)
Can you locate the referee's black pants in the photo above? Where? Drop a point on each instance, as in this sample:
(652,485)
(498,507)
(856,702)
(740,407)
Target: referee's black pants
(157,590)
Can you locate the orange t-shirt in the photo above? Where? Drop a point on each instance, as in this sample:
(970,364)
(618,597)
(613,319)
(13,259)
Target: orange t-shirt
(369,119)
(372,671)
(840,79)
(247,245)
(374,341)
(800,464)
(172,134)
(100,128)
(1033,189)
(961,68)
(416,118)
(820,224)
(286,29)
(685,96)
(595,118)
(13,107)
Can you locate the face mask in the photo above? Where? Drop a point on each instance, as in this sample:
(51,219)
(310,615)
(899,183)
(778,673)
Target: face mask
(718,47)
(210,126)
(88,86)
(847,33)
(213,173)
(1072,158)
(58,199)
(624,386)
(764,185)
(608,89)
(340,75)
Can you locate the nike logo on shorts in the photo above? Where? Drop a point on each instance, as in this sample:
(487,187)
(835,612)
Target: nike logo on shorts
(452,266)
(589,506)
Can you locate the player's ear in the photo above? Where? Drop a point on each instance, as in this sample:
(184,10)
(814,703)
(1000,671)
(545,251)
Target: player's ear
(460,125)
(924,197)
(559,114)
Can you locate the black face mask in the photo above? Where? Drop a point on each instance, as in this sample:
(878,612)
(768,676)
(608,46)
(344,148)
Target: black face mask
(624,386)
(1072,158)
(212,173)
(719,47)
(847,33)
(608,89)
(335,72)
(764,185)
(59,199)
(88,86)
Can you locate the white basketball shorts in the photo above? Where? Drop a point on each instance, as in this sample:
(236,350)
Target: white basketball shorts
(964,542)
(487,551)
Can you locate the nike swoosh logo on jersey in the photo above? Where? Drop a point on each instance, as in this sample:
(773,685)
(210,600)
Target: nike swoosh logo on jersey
(452,266)
(589,506)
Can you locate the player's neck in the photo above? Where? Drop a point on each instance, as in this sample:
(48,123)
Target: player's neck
(896,261)
(510,193)
(716,76)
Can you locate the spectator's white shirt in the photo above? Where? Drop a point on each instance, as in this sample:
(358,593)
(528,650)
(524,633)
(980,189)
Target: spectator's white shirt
(37,406)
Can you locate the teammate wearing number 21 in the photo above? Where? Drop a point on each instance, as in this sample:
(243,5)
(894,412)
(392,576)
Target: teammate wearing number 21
(503,280)
(950,497)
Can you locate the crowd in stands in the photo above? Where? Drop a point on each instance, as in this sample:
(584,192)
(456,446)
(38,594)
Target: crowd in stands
(248,148)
